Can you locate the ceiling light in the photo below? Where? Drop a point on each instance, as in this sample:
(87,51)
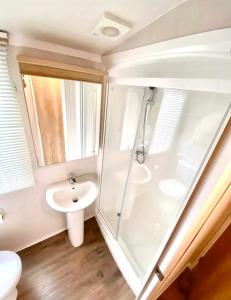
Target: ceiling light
(111,27)
(110,31)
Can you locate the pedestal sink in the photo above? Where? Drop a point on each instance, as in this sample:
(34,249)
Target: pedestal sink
(72,199)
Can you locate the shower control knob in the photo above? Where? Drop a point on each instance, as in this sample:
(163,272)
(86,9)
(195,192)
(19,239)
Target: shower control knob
(118,214)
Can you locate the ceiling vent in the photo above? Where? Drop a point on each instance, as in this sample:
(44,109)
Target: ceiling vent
(111,27)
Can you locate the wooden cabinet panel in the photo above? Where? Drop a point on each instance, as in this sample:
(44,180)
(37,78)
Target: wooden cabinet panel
(48,101)
(210,279)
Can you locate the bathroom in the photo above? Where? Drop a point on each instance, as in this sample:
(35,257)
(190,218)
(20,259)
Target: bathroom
(114,146)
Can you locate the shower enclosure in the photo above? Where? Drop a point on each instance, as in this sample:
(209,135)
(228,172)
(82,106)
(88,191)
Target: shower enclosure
(157,141)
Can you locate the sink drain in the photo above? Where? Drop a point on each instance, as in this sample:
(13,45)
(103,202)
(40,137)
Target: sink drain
(75,200)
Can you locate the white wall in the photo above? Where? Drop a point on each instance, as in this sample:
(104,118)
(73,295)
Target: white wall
(28,219)
(190,17)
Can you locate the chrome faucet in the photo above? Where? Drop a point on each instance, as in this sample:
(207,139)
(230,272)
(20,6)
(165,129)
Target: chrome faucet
(72,178)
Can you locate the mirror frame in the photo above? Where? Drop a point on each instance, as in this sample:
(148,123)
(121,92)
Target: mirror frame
(46,68)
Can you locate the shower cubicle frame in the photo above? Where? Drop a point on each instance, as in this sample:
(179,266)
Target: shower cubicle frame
(215,44)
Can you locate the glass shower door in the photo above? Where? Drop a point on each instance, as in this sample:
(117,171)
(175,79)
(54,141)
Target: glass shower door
(175,134)
(123,112)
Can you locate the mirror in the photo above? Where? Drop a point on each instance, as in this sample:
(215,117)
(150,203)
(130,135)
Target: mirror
(64,117)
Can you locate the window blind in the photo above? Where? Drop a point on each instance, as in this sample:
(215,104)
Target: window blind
(15,162)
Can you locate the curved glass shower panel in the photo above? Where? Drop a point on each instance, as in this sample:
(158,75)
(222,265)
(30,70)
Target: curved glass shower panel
(123,112)
(176,132)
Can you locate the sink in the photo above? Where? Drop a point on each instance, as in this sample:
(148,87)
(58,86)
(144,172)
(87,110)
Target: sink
(66,197)
(72,199)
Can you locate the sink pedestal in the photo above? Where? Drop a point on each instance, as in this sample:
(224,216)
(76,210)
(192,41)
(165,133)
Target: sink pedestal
(72,199)
(75,226)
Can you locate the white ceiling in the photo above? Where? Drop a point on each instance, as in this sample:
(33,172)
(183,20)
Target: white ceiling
(70,22)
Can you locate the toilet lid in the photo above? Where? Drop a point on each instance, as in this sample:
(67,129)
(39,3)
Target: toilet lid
(10,271)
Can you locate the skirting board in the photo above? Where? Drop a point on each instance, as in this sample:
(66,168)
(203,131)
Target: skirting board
(47,236)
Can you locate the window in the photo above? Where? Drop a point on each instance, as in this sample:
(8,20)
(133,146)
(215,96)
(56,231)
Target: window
(15,162)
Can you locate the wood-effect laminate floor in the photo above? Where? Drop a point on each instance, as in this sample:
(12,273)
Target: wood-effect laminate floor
(54,270)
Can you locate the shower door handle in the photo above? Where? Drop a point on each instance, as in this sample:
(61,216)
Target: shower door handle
(158,272)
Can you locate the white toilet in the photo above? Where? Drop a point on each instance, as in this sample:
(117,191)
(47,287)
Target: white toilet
(10,273)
